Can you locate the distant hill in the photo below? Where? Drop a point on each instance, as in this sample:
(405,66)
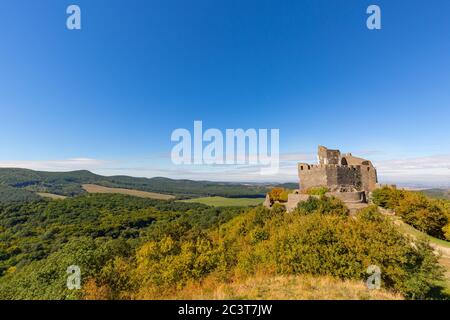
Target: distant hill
(437,193)
(22,184)
(10,194)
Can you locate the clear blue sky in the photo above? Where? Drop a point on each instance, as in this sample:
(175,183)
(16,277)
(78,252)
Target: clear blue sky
(115,90)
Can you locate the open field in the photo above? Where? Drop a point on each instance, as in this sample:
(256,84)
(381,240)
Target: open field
(93,188)
(51,195)
(227,202)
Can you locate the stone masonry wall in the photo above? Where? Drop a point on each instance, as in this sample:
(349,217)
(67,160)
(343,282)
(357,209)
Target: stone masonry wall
(362,178)
(342,171)
(312,176)
(328,156)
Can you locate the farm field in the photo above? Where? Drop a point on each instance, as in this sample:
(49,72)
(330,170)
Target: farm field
(227,202)
(93,188)
(51,195)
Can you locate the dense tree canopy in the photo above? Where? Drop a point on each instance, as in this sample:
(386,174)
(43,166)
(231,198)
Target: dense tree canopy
(133,248)
(22,181)
(428,215)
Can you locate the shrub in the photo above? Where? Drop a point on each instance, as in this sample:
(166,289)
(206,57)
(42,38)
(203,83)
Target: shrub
(370,213)
(321,239)
(259,235)
(322,205)
(284,196)
(387,197)
(317,191)
(279,194)
(427,215)
(344,248)
(422,213)
(173,263)
(275,193)
(326,242)
(446,208)
(446,230)
(47,279)
(309,206)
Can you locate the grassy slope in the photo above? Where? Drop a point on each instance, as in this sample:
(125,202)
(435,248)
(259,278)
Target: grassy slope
(441,245)
(302,287)
(406,228)
(51,195)
(227,202)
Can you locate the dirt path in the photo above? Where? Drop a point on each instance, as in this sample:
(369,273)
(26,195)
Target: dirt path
(443,250)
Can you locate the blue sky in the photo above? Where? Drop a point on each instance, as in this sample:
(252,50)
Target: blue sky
(108,96)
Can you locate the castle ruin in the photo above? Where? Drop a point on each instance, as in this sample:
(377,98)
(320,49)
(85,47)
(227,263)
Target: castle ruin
(340,173)
(347,177)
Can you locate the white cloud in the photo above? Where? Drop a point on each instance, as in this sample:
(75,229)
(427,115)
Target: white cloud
(56,165)
(429,170)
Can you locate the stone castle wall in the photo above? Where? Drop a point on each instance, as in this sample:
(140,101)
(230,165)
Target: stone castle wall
(328,156)
(312,176)
(349,178)
(349,197)
(335,176)
(344,176)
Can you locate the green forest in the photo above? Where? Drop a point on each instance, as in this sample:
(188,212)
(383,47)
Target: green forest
(134,248)
(22,185)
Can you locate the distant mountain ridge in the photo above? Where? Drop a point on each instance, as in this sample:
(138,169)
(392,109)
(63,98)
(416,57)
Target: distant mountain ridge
(18,184)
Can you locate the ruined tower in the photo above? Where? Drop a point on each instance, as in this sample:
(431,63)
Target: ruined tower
(346,177)
(340,173)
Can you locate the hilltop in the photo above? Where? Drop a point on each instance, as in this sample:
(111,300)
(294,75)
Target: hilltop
(135,248)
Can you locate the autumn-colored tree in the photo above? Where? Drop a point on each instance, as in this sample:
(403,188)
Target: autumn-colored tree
(387,197)
(423,213)
(275,194)
(92,291)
